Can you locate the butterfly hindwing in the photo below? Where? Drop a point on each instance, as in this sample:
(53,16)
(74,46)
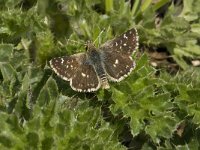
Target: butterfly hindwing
(85,79)
(117,66)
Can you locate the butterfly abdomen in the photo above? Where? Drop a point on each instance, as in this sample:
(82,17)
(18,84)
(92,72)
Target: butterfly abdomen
(95,59)
(102,75)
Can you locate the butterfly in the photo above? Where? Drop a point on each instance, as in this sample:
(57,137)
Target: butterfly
(89,71)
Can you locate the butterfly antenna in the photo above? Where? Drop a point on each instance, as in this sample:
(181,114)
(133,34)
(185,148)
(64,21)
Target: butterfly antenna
(74,42)
(99,35)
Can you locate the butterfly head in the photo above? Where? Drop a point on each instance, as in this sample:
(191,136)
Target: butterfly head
(89,46)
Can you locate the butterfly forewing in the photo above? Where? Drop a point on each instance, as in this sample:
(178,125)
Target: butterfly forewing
(126,43)
(85,79)
(66,66)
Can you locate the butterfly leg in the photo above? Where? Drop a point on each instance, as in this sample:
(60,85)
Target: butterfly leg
(104,82)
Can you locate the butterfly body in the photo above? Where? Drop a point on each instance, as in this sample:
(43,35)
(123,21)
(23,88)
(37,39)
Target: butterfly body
(95,59)
(89,71)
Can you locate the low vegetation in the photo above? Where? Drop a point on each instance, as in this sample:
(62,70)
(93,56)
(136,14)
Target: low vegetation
(156,107)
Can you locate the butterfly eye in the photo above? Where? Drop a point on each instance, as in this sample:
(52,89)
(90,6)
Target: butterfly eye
(88,45)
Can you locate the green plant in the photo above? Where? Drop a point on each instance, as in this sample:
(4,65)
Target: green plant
(151,109)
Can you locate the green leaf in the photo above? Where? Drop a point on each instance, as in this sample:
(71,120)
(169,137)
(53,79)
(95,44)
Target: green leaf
(161,125)
(8,72)
(188,11)
(48,93)
(136,7)
(194,95)
(194,111)
(109,5)
(37,113)
(6,51)
(195,28)
(33,140)
(136,124)
(145,5)
(159,4)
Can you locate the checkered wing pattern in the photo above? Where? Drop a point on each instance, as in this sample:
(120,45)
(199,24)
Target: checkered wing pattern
(117,53)
(126,43)
(89,71)
(66,66)
(74,68)
(117,66)
(85,79)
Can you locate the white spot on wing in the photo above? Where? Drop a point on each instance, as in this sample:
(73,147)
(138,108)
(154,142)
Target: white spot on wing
(137,39)
(91,89)
(123,76)
(55,69)
(62,60)
(116,61)
(83,74)
(125,36)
